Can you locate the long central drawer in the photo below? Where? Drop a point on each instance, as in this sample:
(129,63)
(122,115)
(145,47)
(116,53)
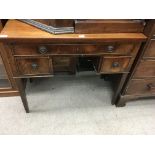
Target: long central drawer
(117,48)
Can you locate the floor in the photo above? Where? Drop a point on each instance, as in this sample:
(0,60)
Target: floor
(74,105)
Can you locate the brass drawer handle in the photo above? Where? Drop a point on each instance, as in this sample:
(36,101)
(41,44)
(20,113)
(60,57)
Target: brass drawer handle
(115,64)
(34,66)
(42,49)
(110,49)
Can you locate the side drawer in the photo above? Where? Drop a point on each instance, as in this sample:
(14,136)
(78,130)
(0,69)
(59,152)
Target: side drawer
(64,64)
(114,64)
(141,87)
(34,66)
(146,68)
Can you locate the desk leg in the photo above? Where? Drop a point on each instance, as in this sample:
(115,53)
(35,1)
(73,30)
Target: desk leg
(118,91)
(21,89)
(121,102)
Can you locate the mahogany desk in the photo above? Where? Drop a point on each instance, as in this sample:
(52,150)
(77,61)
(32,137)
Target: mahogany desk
(34,53)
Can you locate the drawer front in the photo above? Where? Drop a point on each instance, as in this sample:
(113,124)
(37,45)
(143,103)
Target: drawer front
(24,49)
(104,48)
(64,63)
(110,48)
(146,68)
(115,64)
(141,86)
(150,52)
(109,26)
(34,66)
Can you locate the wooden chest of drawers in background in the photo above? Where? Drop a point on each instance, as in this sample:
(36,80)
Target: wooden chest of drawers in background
(141,82)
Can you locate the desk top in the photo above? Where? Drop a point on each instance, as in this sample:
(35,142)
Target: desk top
(15,30)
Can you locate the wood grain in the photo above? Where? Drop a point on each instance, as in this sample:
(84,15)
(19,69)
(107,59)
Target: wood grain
(12,90)
(25,66)
(109,26)
(141,86)
(16,30)
(150,52)
(107,64)
(111,48)
(145,69)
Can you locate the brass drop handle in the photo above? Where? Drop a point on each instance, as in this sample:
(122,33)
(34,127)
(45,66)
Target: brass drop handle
(42,49)
(110,48)
(115,64)
(34,66)
(150,86)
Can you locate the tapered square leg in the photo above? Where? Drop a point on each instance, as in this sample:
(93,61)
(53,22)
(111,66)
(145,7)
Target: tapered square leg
(121,102)
(118,90)
(21,89)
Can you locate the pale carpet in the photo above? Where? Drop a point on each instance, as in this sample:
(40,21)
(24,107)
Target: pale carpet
(74,105)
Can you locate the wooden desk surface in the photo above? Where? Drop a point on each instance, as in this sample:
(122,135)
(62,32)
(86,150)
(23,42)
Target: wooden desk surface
(15,30)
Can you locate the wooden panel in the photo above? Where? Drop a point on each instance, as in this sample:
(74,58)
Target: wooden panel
(64,63)
(108,26)
(7,83)
(146,68)
(114,64)
(4,79)
(9,92)
(3,74)
(15,31)
(34,66)
(150,52)
(141,86)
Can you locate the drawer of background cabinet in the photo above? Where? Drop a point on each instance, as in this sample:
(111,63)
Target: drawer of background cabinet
(117,48)
(34,66)
(150,52)
(64,63)
(141,86)
(114,64)
(109,26)
(146,68)
(47,49)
